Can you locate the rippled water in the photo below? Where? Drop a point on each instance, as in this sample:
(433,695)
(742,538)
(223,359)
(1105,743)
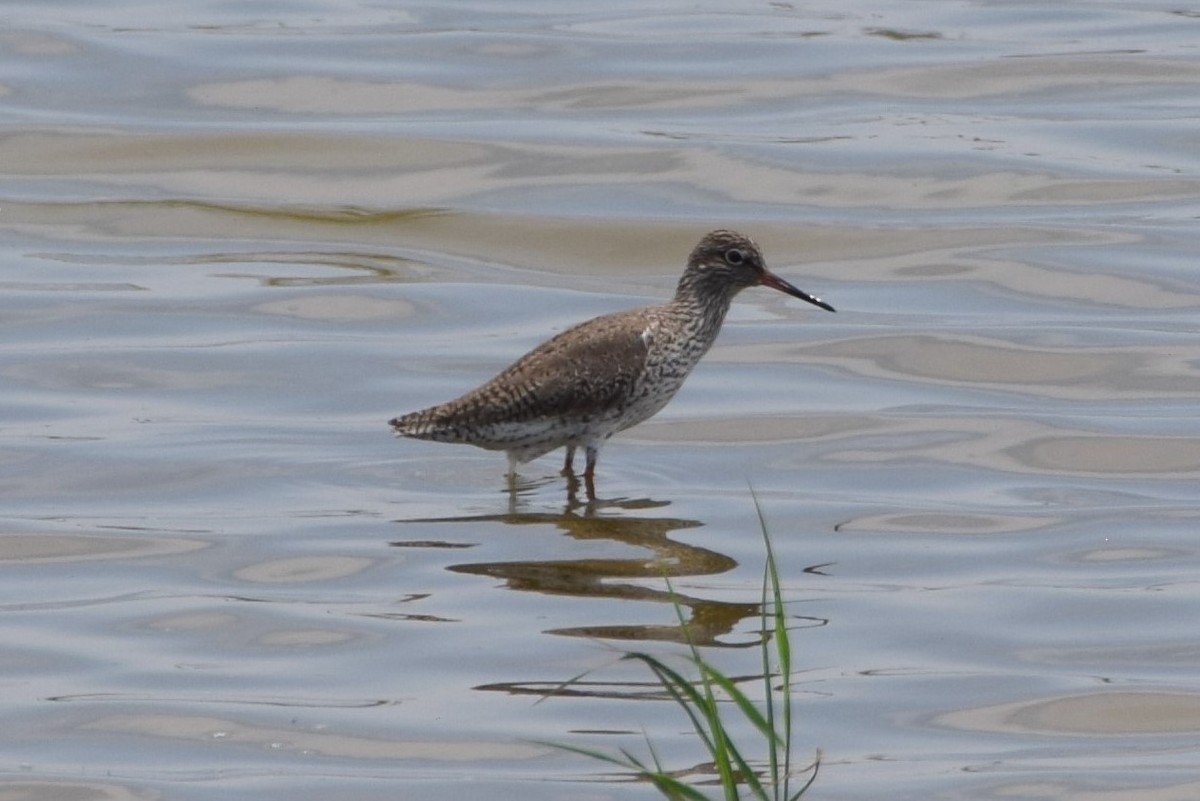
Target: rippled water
(238,238)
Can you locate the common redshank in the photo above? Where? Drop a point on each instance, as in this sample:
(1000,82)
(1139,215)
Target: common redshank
(607,374)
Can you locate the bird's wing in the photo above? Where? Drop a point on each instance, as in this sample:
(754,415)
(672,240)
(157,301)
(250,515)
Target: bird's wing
(583,371)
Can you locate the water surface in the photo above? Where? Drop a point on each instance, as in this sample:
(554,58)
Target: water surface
(237,239)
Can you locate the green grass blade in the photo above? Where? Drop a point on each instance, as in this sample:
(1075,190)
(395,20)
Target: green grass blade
(768,672)
(812,777)
(592,753)
(772,595)
(708,699)
(739,765)
(723,757)
(702,710)
(665,783)
(685,694)
(727,758)
(783,654)
(742,701)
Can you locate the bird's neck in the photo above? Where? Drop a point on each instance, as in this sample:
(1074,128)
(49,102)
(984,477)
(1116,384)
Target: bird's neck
(704,307)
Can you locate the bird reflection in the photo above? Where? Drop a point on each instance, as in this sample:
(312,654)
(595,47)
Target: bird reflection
(706,621)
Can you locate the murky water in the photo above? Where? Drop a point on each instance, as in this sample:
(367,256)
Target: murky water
(238,238)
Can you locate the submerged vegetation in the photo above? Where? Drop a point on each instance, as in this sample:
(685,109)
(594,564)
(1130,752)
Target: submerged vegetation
(712,702)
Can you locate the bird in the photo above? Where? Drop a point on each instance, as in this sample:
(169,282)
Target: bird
(607,374)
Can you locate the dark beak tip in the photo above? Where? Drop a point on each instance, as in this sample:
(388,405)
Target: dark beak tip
(773,281)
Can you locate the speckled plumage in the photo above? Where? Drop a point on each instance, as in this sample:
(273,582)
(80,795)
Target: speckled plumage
(602,376)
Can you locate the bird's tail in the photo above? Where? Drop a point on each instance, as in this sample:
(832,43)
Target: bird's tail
(425,424)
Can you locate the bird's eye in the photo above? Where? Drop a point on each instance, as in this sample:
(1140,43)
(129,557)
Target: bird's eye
(734,256)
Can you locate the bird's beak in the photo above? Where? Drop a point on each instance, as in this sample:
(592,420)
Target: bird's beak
(775,282)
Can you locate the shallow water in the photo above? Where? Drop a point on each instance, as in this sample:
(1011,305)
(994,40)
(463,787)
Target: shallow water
(237,239)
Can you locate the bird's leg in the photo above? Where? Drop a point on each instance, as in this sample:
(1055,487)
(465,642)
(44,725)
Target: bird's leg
(568,465)
(589,472)
(572,491)
(512,473)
